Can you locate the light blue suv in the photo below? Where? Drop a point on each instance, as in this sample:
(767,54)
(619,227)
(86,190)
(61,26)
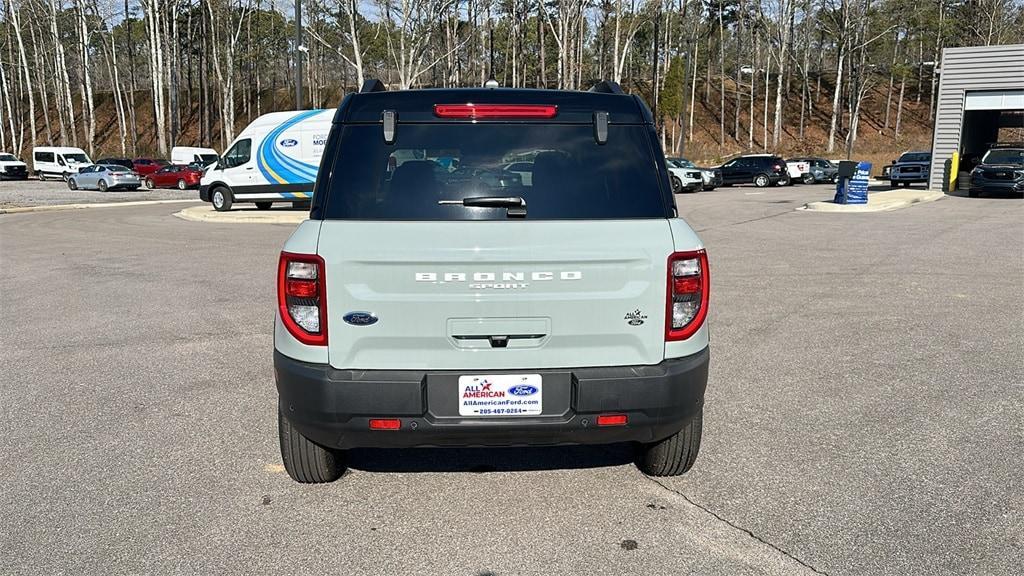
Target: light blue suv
(435,298)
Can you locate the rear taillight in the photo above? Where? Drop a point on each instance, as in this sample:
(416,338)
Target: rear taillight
(495,111)
(687,294)
(302,297)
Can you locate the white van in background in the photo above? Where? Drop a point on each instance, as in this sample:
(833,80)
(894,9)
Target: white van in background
(58,161)
(193,155)
(274,159)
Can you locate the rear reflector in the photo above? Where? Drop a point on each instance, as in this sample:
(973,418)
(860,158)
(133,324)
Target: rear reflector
(612,420)
(385,424)
(300,288)
(494,111)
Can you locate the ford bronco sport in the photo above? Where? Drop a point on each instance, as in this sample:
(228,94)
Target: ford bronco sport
(434,298)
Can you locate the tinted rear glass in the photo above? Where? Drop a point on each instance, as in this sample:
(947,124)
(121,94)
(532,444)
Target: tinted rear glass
(568,174)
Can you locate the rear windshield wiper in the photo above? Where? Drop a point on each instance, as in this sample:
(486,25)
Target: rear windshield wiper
(516,204)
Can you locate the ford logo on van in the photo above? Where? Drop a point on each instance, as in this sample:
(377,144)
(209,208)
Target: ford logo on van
(289,142)
(360,318)
(522,390)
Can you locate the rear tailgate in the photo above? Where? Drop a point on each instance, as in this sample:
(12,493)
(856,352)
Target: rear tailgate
(496,295)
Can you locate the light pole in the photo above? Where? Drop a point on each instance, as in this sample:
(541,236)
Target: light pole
(298,55)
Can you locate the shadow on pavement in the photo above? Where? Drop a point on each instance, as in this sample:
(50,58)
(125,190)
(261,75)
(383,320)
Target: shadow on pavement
(480,460)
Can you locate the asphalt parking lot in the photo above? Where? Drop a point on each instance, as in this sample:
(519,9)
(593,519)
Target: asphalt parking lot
(865,412)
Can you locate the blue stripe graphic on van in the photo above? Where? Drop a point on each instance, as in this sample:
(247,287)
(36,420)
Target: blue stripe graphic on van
(278,167)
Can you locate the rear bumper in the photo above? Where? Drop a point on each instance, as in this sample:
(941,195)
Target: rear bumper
(333,407)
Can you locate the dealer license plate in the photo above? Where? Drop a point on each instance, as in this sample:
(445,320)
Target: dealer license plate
(500,395)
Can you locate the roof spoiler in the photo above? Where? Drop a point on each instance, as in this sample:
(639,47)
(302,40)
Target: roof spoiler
(373,85)
(607,87)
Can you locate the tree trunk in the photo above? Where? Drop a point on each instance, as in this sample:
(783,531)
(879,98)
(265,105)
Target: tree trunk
(836,103)
(23,59)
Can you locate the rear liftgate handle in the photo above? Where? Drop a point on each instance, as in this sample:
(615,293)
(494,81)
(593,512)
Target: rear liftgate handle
(499,341)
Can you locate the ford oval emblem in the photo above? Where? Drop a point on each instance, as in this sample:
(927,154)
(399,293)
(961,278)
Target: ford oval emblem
(522,390)
(359,318)
(289,142)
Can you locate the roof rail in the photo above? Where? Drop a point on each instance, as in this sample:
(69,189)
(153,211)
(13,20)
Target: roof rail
(372,85)
(607,87)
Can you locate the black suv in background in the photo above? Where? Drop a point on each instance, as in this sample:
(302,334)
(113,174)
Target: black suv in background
(761,171)
(1001,170)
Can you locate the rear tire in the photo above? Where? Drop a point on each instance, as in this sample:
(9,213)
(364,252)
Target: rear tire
(785,181)
(762,181)
(808,178)
(264,205)
(677,453)
(102,185)
(305,460)
(220,197)
(150,184)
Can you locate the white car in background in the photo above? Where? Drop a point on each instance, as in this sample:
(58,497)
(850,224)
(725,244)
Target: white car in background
(685,176)
(58,161)
(11,168)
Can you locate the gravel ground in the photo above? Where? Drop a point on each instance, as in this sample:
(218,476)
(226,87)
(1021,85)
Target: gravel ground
(863,413)
(15,193)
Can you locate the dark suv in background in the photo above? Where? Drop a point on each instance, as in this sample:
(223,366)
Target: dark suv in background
(761,171)
(1001,170)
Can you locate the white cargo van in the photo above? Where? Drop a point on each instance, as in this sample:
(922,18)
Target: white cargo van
(193,155)
(58,161)
(275,159)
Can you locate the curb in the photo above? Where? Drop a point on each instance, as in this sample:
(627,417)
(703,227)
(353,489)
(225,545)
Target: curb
(58,207)
(878,202)
(207,214)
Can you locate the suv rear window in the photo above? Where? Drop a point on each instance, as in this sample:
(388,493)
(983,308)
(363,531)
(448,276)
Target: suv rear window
(558,169)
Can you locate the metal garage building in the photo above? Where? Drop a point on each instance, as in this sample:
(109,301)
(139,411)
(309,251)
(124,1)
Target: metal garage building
(981,89)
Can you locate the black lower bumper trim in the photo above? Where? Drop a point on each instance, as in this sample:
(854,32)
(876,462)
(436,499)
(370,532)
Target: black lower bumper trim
(333,407)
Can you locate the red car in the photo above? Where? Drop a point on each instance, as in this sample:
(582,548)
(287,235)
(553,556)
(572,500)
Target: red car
(177,176)
(145,166)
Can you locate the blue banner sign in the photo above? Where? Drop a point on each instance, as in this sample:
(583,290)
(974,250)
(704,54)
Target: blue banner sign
(854,190)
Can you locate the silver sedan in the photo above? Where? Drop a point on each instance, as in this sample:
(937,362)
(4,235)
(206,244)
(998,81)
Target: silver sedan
(104,177)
